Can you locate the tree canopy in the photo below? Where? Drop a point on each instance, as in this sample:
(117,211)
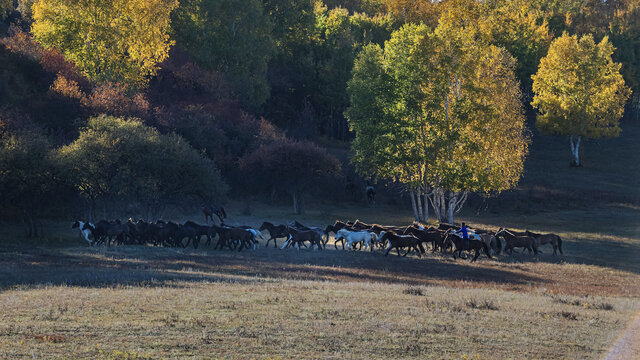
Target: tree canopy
(232,37)
(579,91)
(116,159)
(439,113)
(120,41)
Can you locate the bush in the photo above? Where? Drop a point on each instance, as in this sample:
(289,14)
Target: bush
(116,160)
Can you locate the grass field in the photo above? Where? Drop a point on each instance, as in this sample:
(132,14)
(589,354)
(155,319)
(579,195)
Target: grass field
(62,299)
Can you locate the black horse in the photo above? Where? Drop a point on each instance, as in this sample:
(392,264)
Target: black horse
(401,241)
(475,245)
(211,209)
(201,230)
(275,232)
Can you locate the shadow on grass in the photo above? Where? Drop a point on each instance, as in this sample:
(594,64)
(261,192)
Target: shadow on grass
(149,266)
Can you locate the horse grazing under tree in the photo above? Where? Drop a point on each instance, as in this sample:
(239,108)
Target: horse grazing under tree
(211,209)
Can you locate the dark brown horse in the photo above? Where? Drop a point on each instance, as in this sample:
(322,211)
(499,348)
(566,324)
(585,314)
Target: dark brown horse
(298,237)
(432,236)
(401,241)
(275,232)
(475,245)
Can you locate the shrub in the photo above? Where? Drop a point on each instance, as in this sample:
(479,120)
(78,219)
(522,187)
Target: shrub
(116,159)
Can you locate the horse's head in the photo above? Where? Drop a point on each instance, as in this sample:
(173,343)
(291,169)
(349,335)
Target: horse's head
(77,224)
(88,226)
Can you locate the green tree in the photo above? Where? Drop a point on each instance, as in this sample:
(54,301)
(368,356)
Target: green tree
(579,91)
(26,172)
(440,113)
(119,41)
(6,6)
(116,160)
(232,37)
(339,38)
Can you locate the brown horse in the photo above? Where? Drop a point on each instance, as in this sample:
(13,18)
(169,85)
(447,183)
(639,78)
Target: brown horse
(543,239)
(513,241)
(275,232)
(297,237)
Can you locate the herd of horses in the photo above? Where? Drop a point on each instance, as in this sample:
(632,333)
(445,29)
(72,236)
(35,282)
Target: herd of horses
(352,235)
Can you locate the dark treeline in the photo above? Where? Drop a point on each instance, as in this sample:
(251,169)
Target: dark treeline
(176,103)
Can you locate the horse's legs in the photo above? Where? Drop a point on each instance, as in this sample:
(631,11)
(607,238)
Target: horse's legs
(388,249)
(476,256)
(418,251)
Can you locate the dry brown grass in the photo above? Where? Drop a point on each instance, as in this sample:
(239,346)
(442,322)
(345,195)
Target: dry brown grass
(260,318)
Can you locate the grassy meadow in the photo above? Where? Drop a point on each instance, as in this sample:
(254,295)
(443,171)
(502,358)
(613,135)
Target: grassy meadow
(62,299)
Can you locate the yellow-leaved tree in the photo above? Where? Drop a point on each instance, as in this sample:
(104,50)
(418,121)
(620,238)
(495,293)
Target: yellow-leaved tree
(440,113)
(119,41)
(579,91)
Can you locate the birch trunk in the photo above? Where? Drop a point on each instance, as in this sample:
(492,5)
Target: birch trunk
(418,204)
(413,206)
(425,213)
(453,199)
(575,149)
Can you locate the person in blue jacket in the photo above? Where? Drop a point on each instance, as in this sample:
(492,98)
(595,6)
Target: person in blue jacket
(465,237)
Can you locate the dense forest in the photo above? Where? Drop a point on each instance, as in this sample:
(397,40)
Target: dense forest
(124,106)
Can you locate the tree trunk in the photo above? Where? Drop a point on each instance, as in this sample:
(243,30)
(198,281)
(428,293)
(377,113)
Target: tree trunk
(298,207)
(575,150)
(425,213)
(418,204)
(413,206)
(453,199)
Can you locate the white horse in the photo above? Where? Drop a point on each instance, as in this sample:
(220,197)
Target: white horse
(354,237)
(84,233)
(257,235)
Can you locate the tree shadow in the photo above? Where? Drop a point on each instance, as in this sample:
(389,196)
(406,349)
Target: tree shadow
(149,266)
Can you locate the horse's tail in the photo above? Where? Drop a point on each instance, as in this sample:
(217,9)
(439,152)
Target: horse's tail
(560,245)
(486,249)
(499,245)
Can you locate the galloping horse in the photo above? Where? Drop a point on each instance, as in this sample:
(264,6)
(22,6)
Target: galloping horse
(84,232)
(298,237)
(474,244)
(354,237)
(275,232)
(401,241)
